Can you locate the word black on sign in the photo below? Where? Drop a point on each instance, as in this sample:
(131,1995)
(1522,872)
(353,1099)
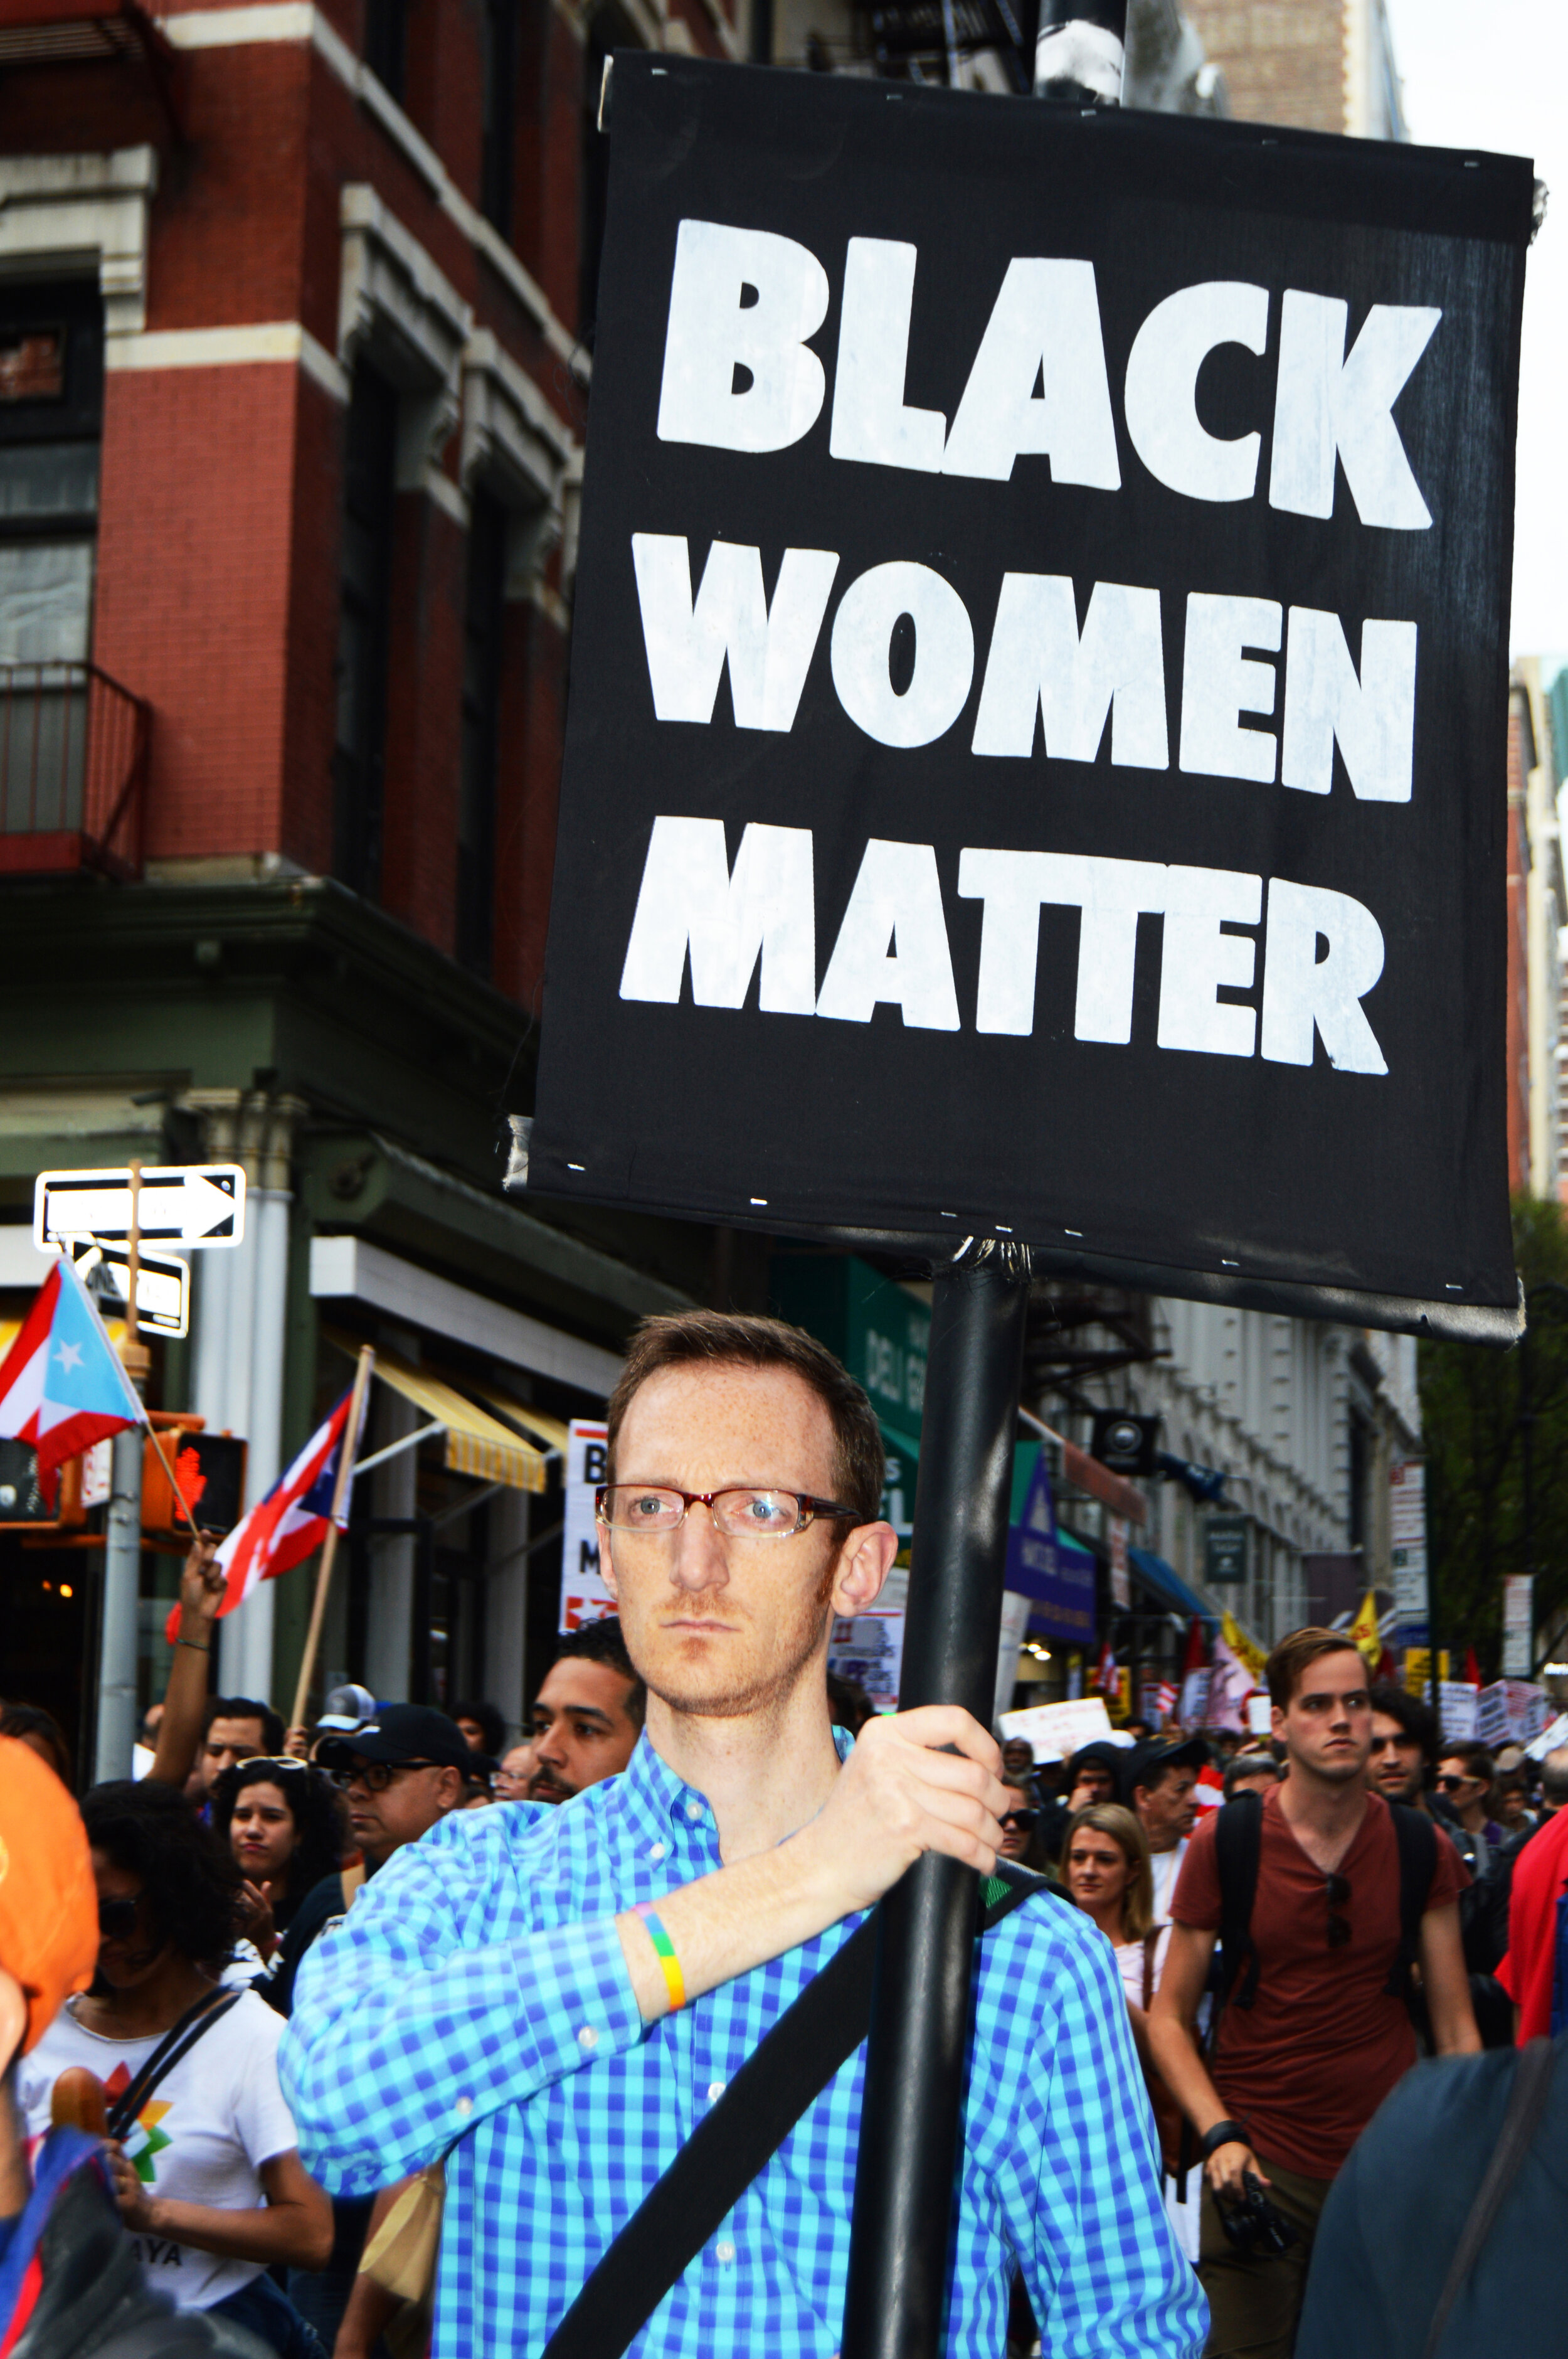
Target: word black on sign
(1038,720)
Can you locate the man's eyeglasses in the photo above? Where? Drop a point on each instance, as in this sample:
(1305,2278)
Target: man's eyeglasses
(375,1776)
(1024,1821)
(1452,1784)
(1338,1890)
(118,1919)
(739,1513)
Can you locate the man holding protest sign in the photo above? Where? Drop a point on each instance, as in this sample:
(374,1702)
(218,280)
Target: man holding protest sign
(584,1986)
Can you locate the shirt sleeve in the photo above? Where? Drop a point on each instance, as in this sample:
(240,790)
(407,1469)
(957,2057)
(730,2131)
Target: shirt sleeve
(1197,1900)
(1080,2176)
(410,2027)
(263,2122)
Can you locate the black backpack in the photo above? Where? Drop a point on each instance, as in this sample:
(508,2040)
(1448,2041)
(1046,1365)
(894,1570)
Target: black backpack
(1237,1849)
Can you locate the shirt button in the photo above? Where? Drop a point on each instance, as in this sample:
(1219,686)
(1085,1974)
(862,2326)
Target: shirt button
(657,1851)
(464,2107)
(724,2252)
(715,2091)
(694,1810)
(588,2037)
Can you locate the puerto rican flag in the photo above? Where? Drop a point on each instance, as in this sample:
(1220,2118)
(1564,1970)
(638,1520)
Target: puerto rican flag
(63,1386)
(281,1530)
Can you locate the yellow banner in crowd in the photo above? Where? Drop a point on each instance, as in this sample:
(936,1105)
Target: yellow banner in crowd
(1365,1634)
(1244,1649)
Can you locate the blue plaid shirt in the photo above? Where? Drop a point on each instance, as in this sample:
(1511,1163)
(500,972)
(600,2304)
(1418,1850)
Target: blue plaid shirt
(475,2003)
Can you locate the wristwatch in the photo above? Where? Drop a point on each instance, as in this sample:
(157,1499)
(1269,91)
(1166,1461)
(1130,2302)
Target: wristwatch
(1222,2133)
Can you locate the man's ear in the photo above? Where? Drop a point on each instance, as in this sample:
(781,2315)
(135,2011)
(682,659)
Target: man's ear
(864,1562)
(452,1786)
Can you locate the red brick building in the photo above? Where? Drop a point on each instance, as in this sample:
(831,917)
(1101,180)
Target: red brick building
(296,338)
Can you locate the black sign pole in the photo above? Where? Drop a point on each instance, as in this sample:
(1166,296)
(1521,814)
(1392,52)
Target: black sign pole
(920,2013)
(895,2302)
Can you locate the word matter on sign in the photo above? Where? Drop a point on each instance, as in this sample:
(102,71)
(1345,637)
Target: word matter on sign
(192,1204)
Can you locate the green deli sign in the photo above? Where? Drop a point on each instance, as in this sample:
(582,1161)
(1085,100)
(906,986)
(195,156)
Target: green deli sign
(883,1335)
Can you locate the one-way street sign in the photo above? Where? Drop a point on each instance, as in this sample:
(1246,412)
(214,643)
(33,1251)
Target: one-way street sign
(163,1286)
(187,1204)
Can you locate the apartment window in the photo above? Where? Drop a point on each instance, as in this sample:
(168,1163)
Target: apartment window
(498,33)
(364,617)
(386,44)
(52,410)
(482,702)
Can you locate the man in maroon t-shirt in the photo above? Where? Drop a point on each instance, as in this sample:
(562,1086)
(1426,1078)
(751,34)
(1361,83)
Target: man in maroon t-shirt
(1296,2077)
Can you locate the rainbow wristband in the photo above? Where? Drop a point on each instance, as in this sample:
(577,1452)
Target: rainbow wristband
(664,1949)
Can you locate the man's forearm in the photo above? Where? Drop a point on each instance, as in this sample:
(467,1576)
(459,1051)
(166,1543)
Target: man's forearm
(727,1923)
(1183,2069)
(184,1705)
(371,2308)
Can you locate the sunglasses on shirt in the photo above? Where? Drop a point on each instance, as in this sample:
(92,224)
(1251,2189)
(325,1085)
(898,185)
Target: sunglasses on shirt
(1337,1888)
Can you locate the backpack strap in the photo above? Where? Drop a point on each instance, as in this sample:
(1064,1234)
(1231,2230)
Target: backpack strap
(1417,1840)
(175,2045)
(787,2071)
(1527,2103)
(1237,1849)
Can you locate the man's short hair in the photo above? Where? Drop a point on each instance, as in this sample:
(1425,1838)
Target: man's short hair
(1554,1776)
(601,1642)
(732,1339)
(1291,1658)
(1475,1757)
(246,1708)
(1243,1767)
(1417,1719)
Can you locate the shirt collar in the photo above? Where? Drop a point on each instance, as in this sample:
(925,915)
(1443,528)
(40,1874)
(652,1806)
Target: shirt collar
(654,1797)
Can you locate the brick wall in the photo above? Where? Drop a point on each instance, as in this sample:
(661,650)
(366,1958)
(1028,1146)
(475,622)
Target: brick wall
(1284,60)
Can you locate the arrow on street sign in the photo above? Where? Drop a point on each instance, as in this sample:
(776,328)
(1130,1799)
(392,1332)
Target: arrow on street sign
(189,1204)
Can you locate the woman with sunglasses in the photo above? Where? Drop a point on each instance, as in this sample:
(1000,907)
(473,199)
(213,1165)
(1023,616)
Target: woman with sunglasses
(286,1828)
(207,2173)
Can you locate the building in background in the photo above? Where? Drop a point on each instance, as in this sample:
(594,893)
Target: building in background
(1317,65)
(296,329)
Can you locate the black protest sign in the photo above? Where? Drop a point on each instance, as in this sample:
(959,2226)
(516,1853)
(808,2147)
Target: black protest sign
(1035,762)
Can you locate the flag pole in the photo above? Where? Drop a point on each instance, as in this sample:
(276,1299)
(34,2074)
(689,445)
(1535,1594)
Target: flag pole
(329,1544)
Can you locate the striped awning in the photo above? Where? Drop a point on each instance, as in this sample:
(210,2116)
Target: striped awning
(476,1442)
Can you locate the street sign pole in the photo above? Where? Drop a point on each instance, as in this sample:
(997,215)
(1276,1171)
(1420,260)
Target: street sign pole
(895,2305)
(116,1729)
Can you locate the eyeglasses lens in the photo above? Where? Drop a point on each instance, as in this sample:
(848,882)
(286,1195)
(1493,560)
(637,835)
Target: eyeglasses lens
(117,1920)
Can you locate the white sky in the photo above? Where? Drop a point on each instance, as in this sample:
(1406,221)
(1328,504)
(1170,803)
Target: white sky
(1497,77)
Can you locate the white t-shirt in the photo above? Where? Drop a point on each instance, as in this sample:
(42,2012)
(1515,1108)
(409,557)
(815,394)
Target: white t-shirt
(202,2134)
(1167,1866)
(1130,1958)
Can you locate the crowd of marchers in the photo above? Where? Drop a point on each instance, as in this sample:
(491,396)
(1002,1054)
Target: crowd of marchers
(339,1988)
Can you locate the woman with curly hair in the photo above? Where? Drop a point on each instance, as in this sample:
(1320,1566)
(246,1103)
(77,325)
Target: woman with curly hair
(284,1823)
(207,2174)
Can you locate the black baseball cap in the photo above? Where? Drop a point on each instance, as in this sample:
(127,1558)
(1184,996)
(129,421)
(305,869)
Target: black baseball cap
(1148,1762)
(405,1732)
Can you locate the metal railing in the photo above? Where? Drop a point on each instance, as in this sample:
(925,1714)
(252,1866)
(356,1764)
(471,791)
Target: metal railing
(73,761)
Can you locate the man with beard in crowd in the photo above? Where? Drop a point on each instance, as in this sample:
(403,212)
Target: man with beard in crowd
(588,1715)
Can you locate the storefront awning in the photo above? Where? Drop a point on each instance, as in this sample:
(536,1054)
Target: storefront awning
(477,1443)
(550,1430)
(1163,1581)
